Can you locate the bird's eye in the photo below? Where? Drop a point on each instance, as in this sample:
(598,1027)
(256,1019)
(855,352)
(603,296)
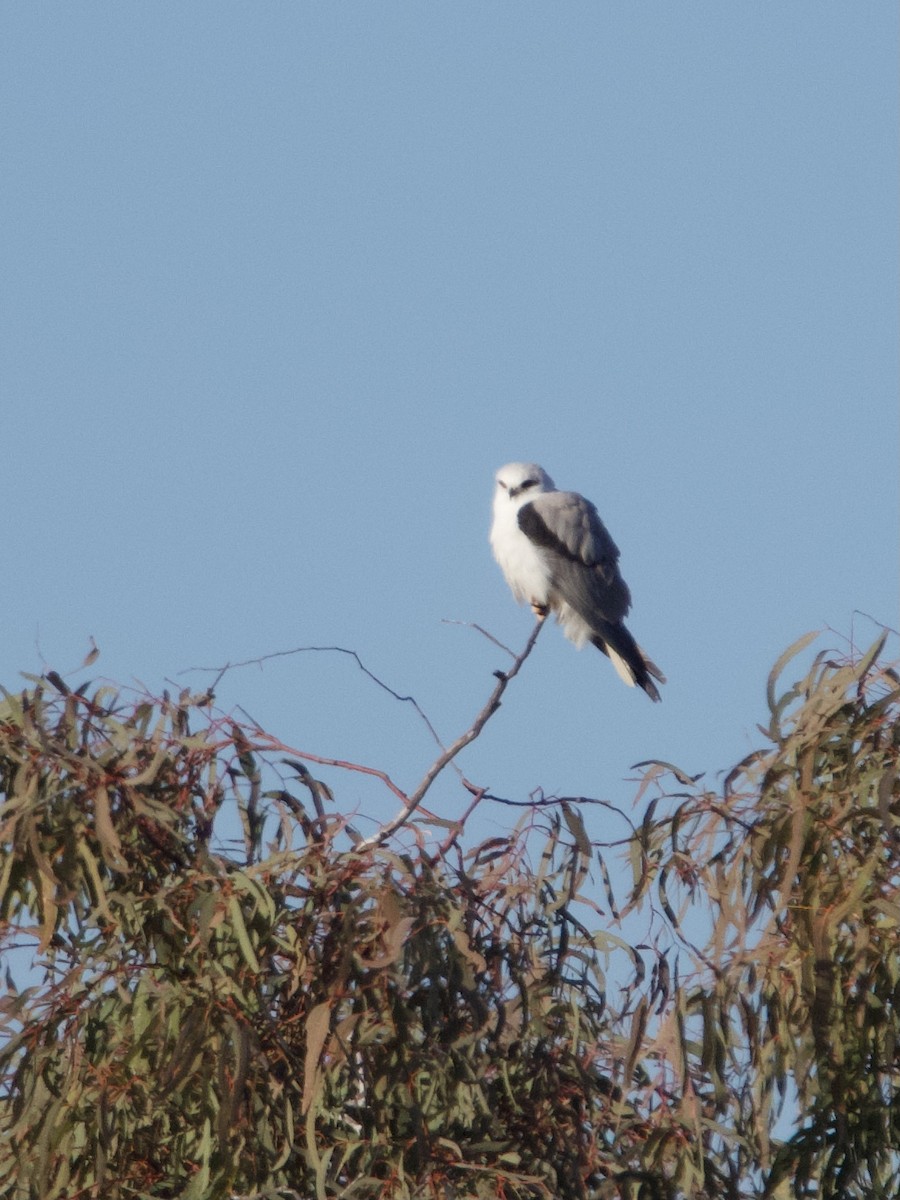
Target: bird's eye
(503,485)
(529,483)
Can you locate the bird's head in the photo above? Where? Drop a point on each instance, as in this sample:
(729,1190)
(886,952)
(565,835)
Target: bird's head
(520,481)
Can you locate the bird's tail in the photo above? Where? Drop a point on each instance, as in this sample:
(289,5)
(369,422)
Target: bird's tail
(631,663)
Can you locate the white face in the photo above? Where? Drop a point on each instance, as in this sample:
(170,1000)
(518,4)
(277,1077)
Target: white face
(521,480)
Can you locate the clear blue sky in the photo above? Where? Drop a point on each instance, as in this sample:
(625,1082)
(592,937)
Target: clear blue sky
(284,284)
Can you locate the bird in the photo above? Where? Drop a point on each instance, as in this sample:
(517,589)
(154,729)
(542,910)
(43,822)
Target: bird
(557,555)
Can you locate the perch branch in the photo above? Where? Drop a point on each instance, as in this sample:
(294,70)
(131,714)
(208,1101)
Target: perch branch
(411,803)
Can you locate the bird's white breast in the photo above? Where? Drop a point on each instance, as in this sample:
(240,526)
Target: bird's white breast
(519,559)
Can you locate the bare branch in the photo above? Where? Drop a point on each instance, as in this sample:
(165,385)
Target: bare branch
(413,801)
(265,741)
(504,678)
(458,826)
(490,637)
(875,621)
(254,662)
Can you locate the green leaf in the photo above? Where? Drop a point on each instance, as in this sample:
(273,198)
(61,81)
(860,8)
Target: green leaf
(317,1024)
(240,932)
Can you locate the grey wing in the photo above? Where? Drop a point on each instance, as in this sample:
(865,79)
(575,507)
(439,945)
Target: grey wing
(584,558)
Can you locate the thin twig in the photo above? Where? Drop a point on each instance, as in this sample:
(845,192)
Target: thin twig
(267,742)
(490,637)
(875,621)
(504,678)
(537,799)
(458,826)
(254,662)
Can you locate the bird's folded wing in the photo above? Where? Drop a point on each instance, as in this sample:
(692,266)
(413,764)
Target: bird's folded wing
(583,556)
(569,524)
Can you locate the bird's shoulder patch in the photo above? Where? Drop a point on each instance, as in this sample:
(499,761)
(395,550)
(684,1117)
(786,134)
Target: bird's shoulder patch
(538,530)
(567,524)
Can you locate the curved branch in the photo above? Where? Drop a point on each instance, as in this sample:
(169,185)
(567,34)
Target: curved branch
(504,678)
(253,662)
(265,741)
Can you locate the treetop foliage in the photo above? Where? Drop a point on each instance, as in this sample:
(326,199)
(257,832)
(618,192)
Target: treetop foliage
(297,1013)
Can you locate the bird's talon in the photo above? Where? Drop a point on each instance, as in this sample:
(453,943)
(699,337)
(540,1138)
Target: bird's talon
(540,610)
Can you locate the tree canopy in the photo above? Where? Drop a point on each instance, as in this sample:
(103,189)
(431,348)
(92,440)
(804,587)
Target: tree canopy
(297,1013)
